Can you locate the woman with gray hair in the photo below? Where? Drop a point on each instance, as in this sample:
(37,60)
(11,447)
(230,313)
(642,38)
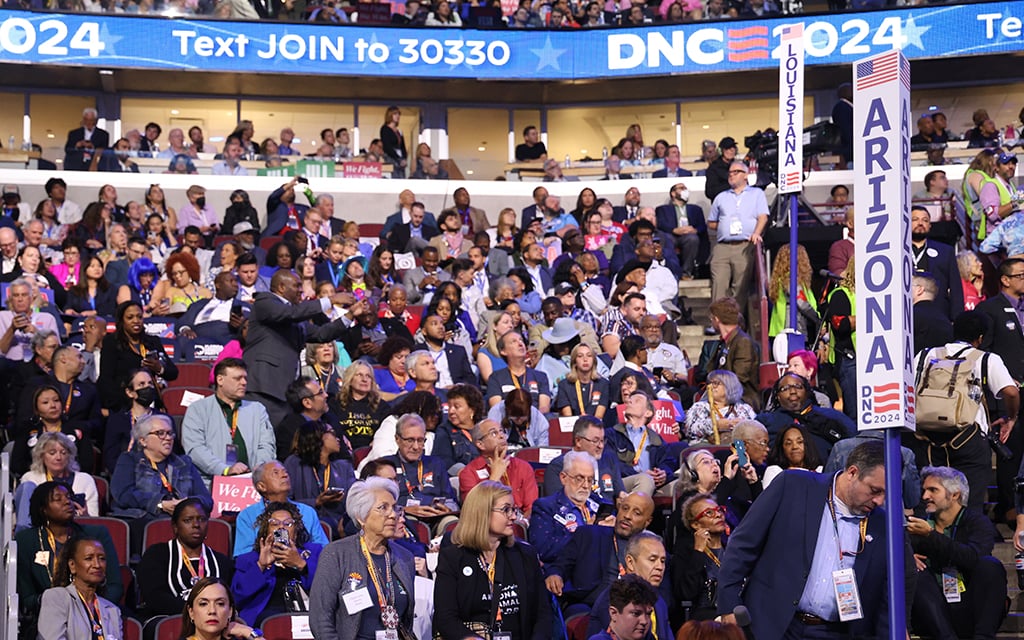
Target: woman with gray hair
(150,479)
(719,410)
(53,458)
(365,584)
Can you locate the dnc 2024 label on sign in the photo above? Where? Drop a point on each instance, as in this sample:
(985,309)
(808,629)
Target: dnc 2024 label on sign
(349,50)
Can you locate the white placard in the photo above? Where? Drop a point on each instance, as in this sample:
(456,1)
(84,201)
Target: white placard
(188,397)
(545,455)
(791,108)
(566,423)
(300,628)
(884,309)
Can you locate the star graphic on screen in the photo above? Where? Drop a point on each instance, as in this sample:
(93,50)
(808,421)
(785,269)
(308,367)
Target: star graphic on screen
(109,40)
(912,33)
(548,56)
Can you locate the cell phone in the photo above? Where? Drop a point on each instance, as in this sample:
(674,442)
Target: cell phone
(236,310)
(281,537)
(658,371)
(741,453)
(606,509)
(302,180)
(438,503)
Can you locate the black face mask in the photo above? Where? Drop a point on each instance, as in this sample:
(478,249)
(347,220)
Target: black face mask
(146,396)
(200,202)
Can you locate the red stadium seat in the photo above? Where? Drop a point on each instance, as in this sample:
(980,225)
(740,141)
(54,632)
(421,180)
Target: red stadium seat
(169,628)
(218,536)
(420,530)
(132,629)
(192,374)
(157,532)
(359,455)
(268,242)
(172,398)
(278,627)
(103,493)
(576,626)
(118,530)
(370,229)
(533,454)
(327,530)
(557,437)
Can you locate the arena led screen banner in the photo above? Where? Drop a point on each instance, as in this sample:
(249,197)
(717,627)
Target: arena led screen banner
(126,41)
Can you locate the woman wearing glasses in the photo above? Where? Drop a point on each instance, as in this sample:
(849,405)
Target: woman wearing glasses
(319,474)
(277,575)
(365,583)
(182,284)
(150,479)
(698,555)
(720,409)
(488,582)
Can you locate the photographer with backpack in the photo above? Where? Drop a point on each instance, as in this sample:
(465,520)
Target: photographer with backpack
(957,386)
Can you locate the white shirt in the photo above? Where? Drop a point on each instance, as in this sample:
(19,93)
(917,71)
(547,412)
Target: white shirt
(662,282)
(221,168)
(667,356)
(216,311)
(998,376)
(69,213)
(444,374)
(21,348)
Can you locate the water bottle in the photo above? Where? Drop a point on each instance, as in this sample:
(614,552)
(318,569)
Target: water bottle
(568,162)
(310,195)
(1018,560)
(10,143)
(604,153)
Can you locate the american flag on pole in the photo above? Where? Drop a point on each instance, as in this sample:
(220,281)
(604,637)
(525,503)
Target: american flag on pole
(792,31)
(881,70)
(905,71)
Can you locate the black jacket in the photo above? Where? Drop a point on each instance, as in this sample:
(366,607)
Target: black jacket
(973,538)
(456,593)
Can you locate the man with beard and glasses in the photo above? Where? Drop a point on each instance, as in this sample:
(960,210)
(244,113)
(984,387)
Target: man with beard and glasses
(938,260)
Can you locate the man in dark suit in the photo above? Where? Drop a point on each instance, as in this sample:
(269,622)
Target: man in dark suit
(791,524)
(421,282)
(1006,311)
(451,360)
(672,168)
(83,142)
(10,270)
(932,326)
(613,169)
(406,200)
(278,331)
(842,117)
(413,235)
(283,213)
(594,556)
(686,224)
(939,260)
(535,210)
(630,208)
(212,319)
(642,229)
(365,337)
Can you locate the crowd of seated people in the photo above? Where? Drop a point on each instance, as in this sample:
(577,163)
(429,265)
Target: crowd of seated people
(433,382)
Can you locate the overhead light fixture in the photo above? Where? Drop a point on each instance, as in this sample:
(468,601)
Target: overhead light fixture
(106,72)
(469,172)
(481,148)
(174,112)
(706,127)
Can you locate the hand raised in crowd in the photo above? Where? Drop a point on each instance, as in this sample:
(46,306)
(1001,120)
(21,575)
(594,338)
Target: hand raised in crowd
(343,299)
(700,540)
(266,553)
(918,527)
(288,556)
(499,463)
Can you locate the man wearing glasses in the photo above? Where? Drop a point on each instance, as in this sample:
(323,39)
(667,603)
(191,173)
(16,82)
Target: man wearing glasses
(272,482)
(739,216)
(423,486)
(495,463)
(796,405)
(556,517)
(588,437)
(1005,311)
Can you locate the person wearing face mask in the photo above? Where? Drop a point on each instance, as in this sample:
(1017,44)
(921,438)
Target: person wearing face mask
(685,223)
(241,210)
(141,392)
(197,213)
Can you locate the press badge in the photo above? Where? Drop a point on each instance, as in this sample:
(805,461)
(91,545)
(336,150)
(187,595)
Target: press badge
(386,634)
(951,585)
(844,581)
(230,454)
(501,635)
(736,228)
(412,502)
(357,600)
(43,558)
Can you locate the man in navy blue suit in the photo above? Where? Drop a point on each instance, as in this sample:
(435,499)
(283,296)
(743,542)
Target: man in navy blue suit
(672,168)
(556,517)
(787,553)
(596,556)
(535,210)
(685,224)
(938,260)
(283,213)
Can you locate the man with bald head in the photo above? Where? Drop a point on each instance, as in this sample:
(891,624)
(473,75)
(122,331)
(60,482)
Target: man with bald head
(596,556)
(279,329)
(497,464)
(404,215)
(9,269)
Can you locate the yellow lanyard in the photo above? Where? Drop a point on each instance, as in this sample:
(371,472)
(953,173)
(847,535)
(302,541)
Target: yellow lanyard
(515,380)
(139,349)
(863,529)
(196,575)
(234,420)
(327,476)
(490,581)
(587,516)
(419,477)
(579,397)
(71,394)
(615,542)
(51,561)
(711,554)
(168,487)
(93,611)
(654,624)
(385,595)
(640,448)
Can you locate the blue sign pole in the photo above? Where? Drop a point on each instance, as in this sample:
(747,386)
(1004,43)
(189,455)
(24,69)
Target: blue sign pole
(894,535)
(793,267)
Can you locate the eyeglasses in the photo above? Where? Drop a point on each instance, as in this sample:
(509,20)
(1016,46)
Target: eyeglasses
(179,272)
(287,524)
(163,435)
(1015,276)
(419,441)
(711,511)
(734,171)
(761,443)
(593,441)
(509,511)
(494,433)
(384,509)
(790,387)
(580,478)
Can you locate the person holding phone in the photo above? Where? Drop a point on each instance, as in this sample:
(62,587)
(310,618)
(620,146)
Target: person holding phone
(277,575)
(320,476)
(128,348)
(556,517)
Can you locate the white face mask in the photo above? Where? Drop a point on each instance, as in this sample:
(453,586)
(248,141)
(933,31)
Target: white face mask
(684,195)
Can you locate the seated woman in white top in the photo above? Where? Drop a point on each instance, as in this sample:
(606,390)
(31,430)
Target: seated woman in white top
(793,449)
(53,458)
